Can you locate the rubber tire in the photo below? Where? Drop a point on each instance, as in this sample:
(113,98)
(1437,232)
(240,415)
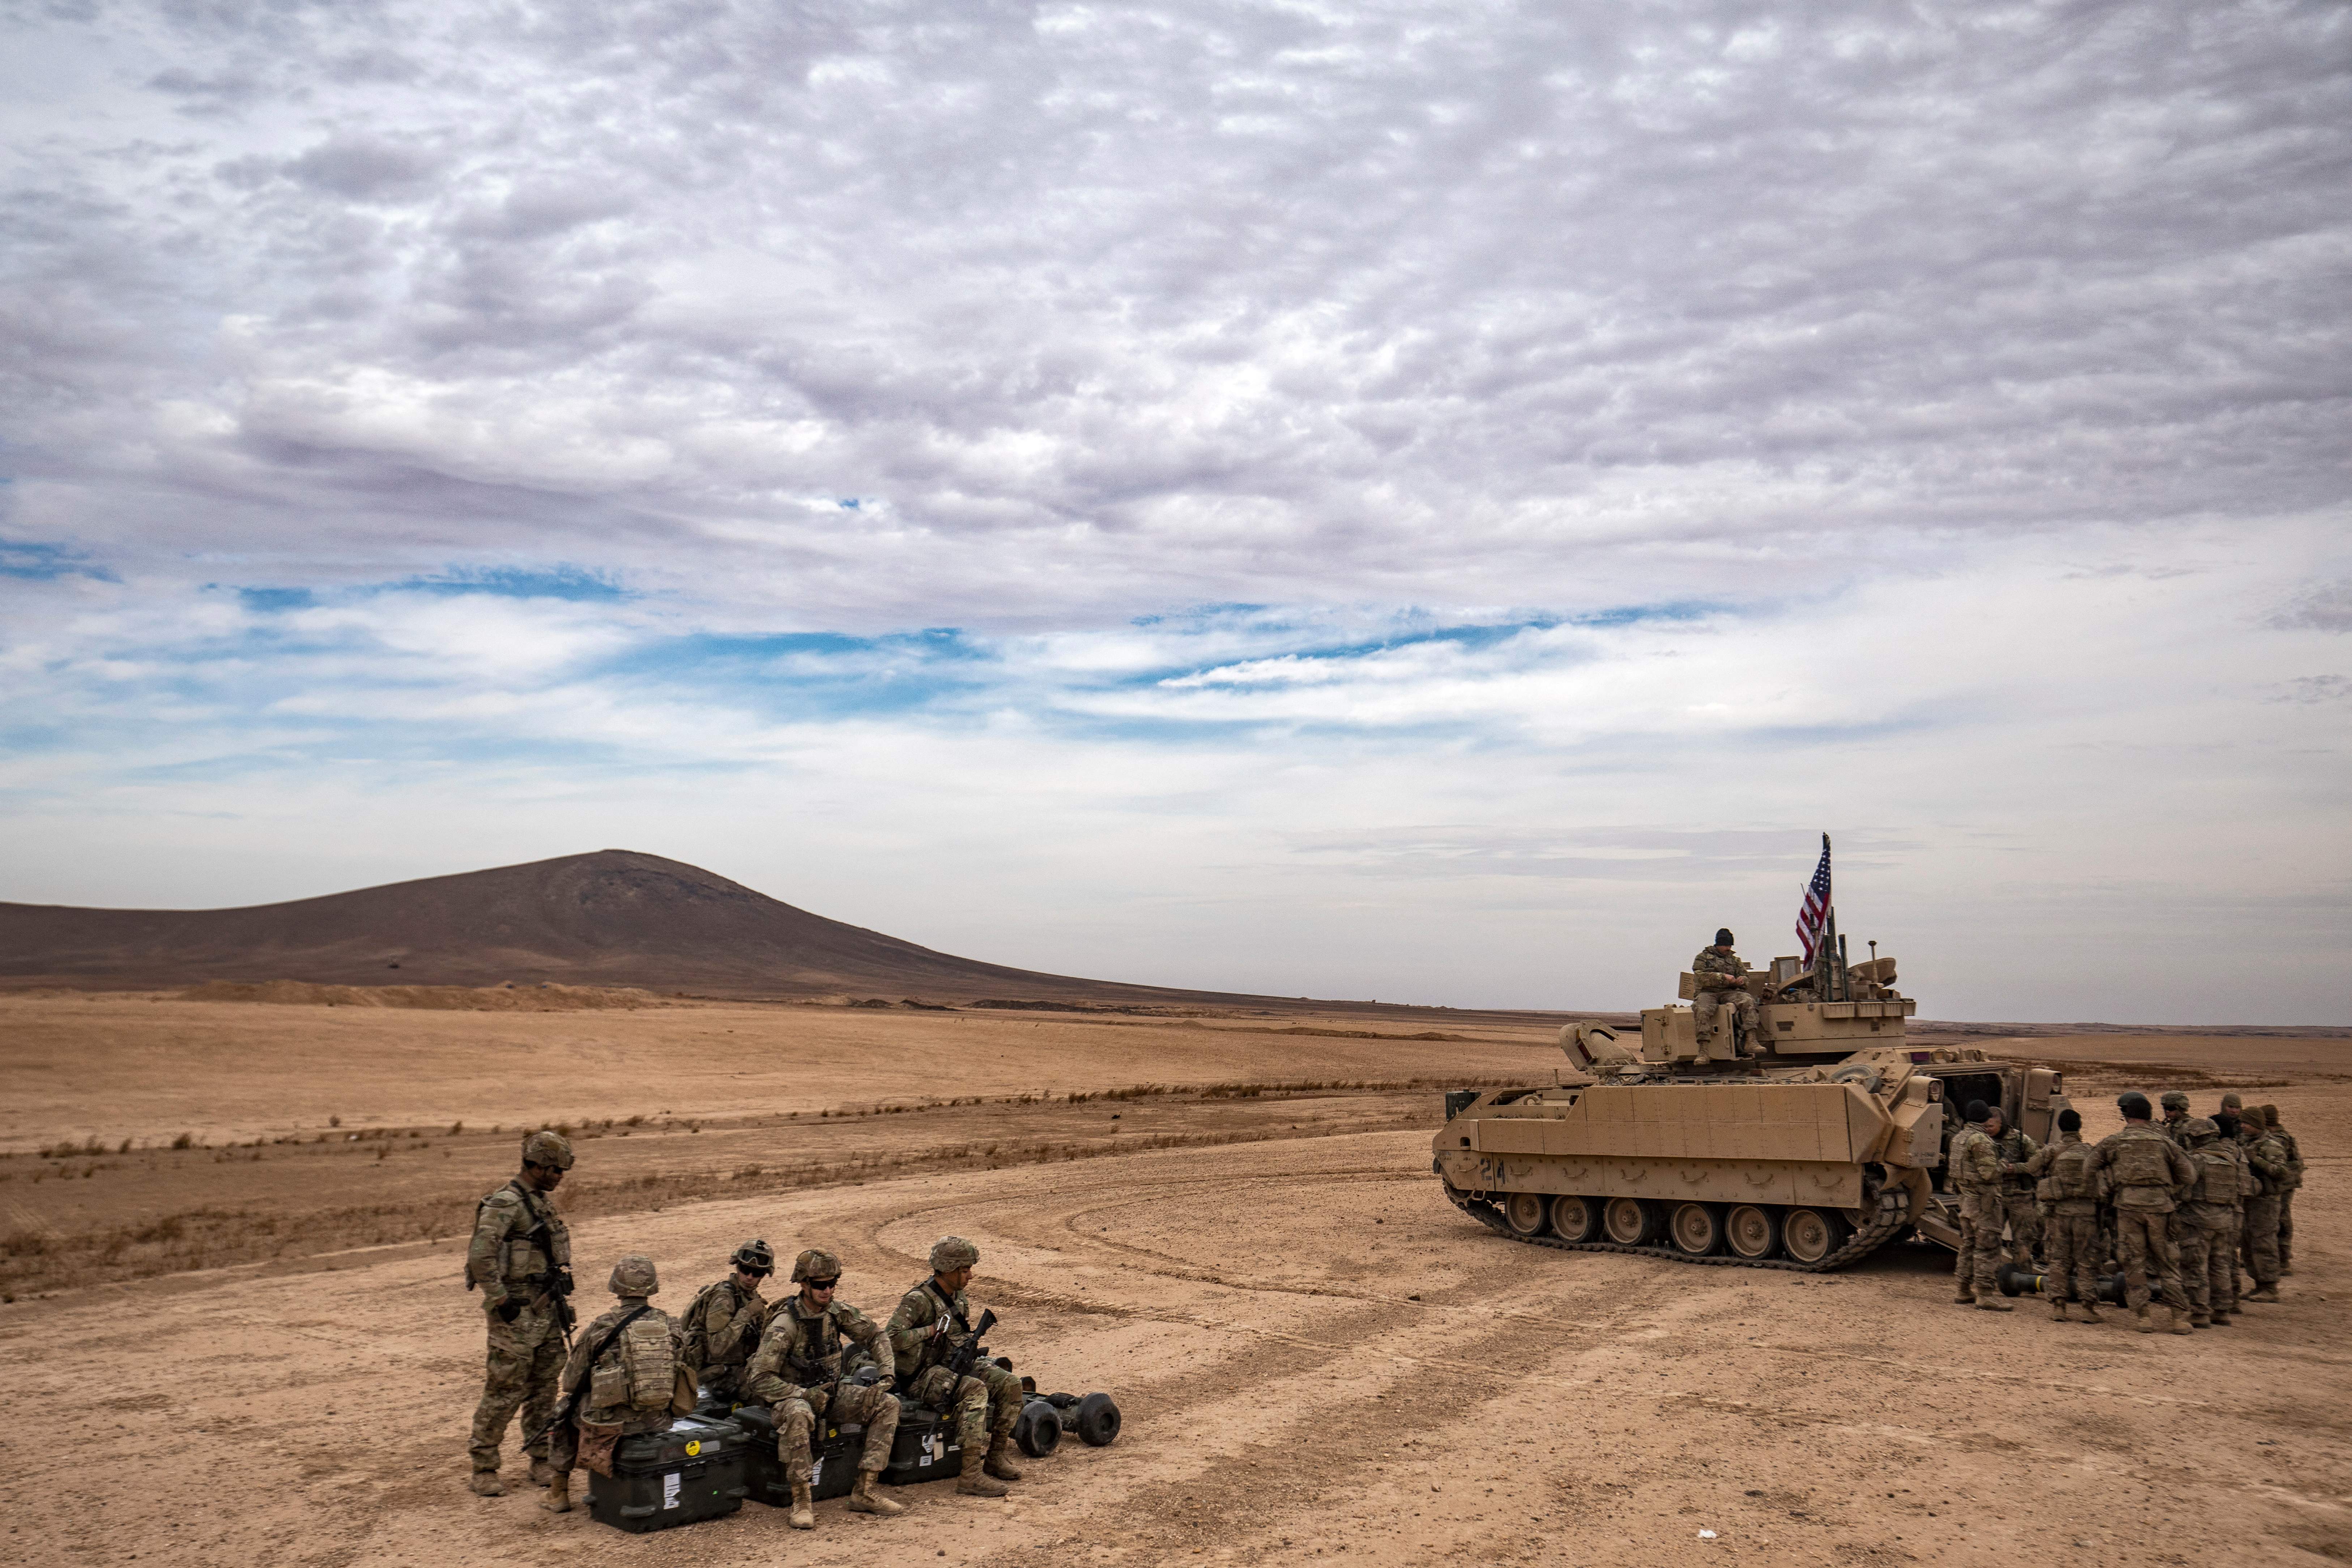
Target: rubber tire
(1631,1222)
(1525,1213)
(1763,1228)
(1097,1422)
(1038,1428)
(1695,1231)
(1575,1219)
(1808,1236)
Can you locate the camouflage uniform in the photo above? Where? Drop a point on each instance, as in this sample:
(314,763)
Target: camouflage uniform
(2208,1272)
(2071,1188)
(2149,1173)
(797,1373)
(2221,1269)
(929,1328)
(720,1330)
(628,1386)
(2175,1124)
(2287,1192)
(521,1251)
(2267,1155)
(1719,991)
(1975,1172)
(2017,1152)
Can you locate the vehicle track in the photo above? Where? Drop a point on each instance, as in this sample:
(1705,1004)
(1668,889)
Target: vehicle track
(1894,1213)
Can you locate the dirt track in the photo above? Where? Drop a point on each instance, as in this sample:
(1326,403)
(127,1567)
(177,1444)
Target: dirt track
(1287,1398)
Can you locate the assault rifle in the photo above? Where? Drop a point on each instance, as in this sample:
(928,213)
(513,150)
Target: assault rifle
(961,1360)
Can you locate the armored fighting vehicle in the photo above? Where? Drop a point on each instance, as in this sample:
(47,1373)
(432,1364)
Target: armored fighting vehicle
(1822,1138)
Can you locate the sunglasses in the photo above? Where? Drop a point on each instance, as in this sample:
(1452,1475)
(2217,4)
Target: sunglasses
(823,1284)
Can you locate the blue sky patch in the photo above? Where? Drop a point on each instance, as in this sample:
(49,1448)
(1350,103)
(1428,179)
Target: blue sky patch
(570,582)
(40,560)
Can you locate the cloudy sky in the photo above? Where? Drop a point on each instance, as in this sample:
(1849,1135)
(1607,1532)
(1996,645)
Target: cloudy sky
(1433,503)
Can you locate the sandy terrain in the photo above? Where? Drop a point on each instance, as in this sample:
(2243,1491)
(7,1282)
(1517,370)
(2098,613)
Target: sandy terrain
(1318,1359)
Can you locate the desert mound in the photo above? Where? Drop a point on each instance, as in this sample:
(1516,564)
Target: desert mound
(615,918)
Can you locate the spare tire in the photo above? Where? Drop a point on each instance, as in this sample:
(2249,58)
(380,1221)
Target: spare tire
(1097,1421)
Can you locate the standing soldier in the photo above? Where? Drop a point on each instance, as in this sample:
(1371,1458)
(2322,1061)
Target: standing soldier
(1721,989)
(2208,1271)
(2176,1116)
(2150,1175)
(2267,1155)
(521,1256)
(621,1378)
(797,1373)
(2225,1123)
(2071,1188)
(2017,1150)
(2287,1195)
(721,1326)
(1977,1171)
(926,1331)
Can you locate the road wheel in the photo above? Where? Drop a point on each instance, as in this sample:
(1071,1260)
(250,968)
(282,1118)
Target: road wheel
(1575,1219)
(1697,1230)
(1812,1234)
(1752,1231)
(1631,1222)
(1524,1213)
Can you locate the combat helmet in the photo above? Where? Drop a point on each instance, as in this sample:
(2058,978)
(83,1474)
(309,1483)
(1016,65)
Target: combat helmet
(2173,1100)
(549,1149)
(633,1276)
(757,1256)
(816,1263)
(2199,1130)
(950,1253)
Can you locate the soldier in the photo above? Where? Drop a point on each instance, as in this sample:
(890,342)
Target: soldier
(2176,1116)
(521,1256)
(2150,1175)
(2071,1188)
(2286,1194)
(2225,1123)
(798,1372)
(929,1326)
(2208,1272)
(2267,1155)
(2017,1148)
(1718,971)
(622,1375)
(721,1326)
(1977,1171)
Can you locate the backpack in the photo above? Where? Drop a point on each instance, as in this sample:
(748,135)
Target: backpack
(2217,1175)
(2139,1159)
(696,1347)
(639,1370)
(2070,1172)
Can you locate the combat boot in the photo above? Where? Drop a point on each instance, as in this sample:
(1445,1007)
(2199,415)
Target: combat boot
(864,1498)
(2180,1321)
(559,1494)
(2199,1319)
(485,1484)
(1964,1297)
(2058,1311)
(2266,1293)
(1993,1304)
(2090,1312)
(1000,1459)
(2140,1320)
(542,1472)
(976,1481)
(804,1515)
(2219,1319)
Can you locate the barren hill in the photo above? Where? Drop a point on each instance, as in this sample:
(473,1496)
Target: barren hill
(614,918)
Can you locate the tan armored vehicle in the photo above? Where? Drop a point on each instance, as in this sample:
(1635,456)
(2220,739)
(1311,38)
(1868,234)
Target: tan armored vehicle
(1820,1139)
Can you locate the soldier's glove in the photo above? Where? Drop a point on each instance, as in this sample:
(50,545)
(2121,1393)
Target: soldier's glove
(508,1309)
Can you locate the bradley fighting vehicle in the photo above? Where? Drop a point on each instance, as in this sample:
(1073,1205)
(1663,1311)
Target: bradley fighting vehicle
(1823,1139)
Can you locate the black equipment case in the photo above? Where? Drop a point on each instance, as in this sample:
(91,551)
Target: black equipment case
(695,1470)
(832,1458)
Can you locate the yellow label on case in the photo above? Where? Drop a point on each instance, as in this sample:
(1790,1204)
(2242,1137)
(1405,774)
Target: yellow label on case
(693,1446)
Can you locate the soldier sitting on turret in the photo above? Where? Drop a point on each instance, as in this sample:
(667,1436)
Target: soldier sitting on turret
(1722,989)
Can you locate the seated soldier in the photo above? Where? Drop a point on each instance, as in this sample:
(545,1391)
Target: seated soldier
(798,1372)
(1722,988)
(722,1327)
(621,1378)
(926,1331)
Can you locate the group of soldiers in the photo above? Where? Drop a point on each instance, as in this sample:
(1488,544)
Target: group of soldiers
(808,1358)
(2180,1205)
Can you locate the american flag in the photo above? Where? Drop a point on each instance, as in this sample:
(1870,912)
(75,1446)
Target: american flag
(1813,914)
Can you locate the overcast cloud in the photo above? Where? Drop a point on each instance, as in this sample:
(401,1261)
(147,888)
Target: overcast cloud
(1434,503)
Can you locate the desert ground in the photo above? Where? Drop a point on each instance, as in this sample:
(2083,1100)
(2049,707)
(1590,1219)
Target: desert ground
(256,1347)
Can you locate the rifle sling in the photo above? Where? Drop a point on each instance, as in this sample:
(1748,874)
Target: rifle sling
(588,1370)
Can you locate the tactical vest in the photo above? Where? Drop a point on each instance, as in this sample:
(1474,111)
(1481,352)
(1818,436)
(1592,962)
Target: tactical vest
(2217,1176)
(2139,1159)
(1976,1162)
(529,1254)
(639,1372)
(809,1360)
(2070,1178)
